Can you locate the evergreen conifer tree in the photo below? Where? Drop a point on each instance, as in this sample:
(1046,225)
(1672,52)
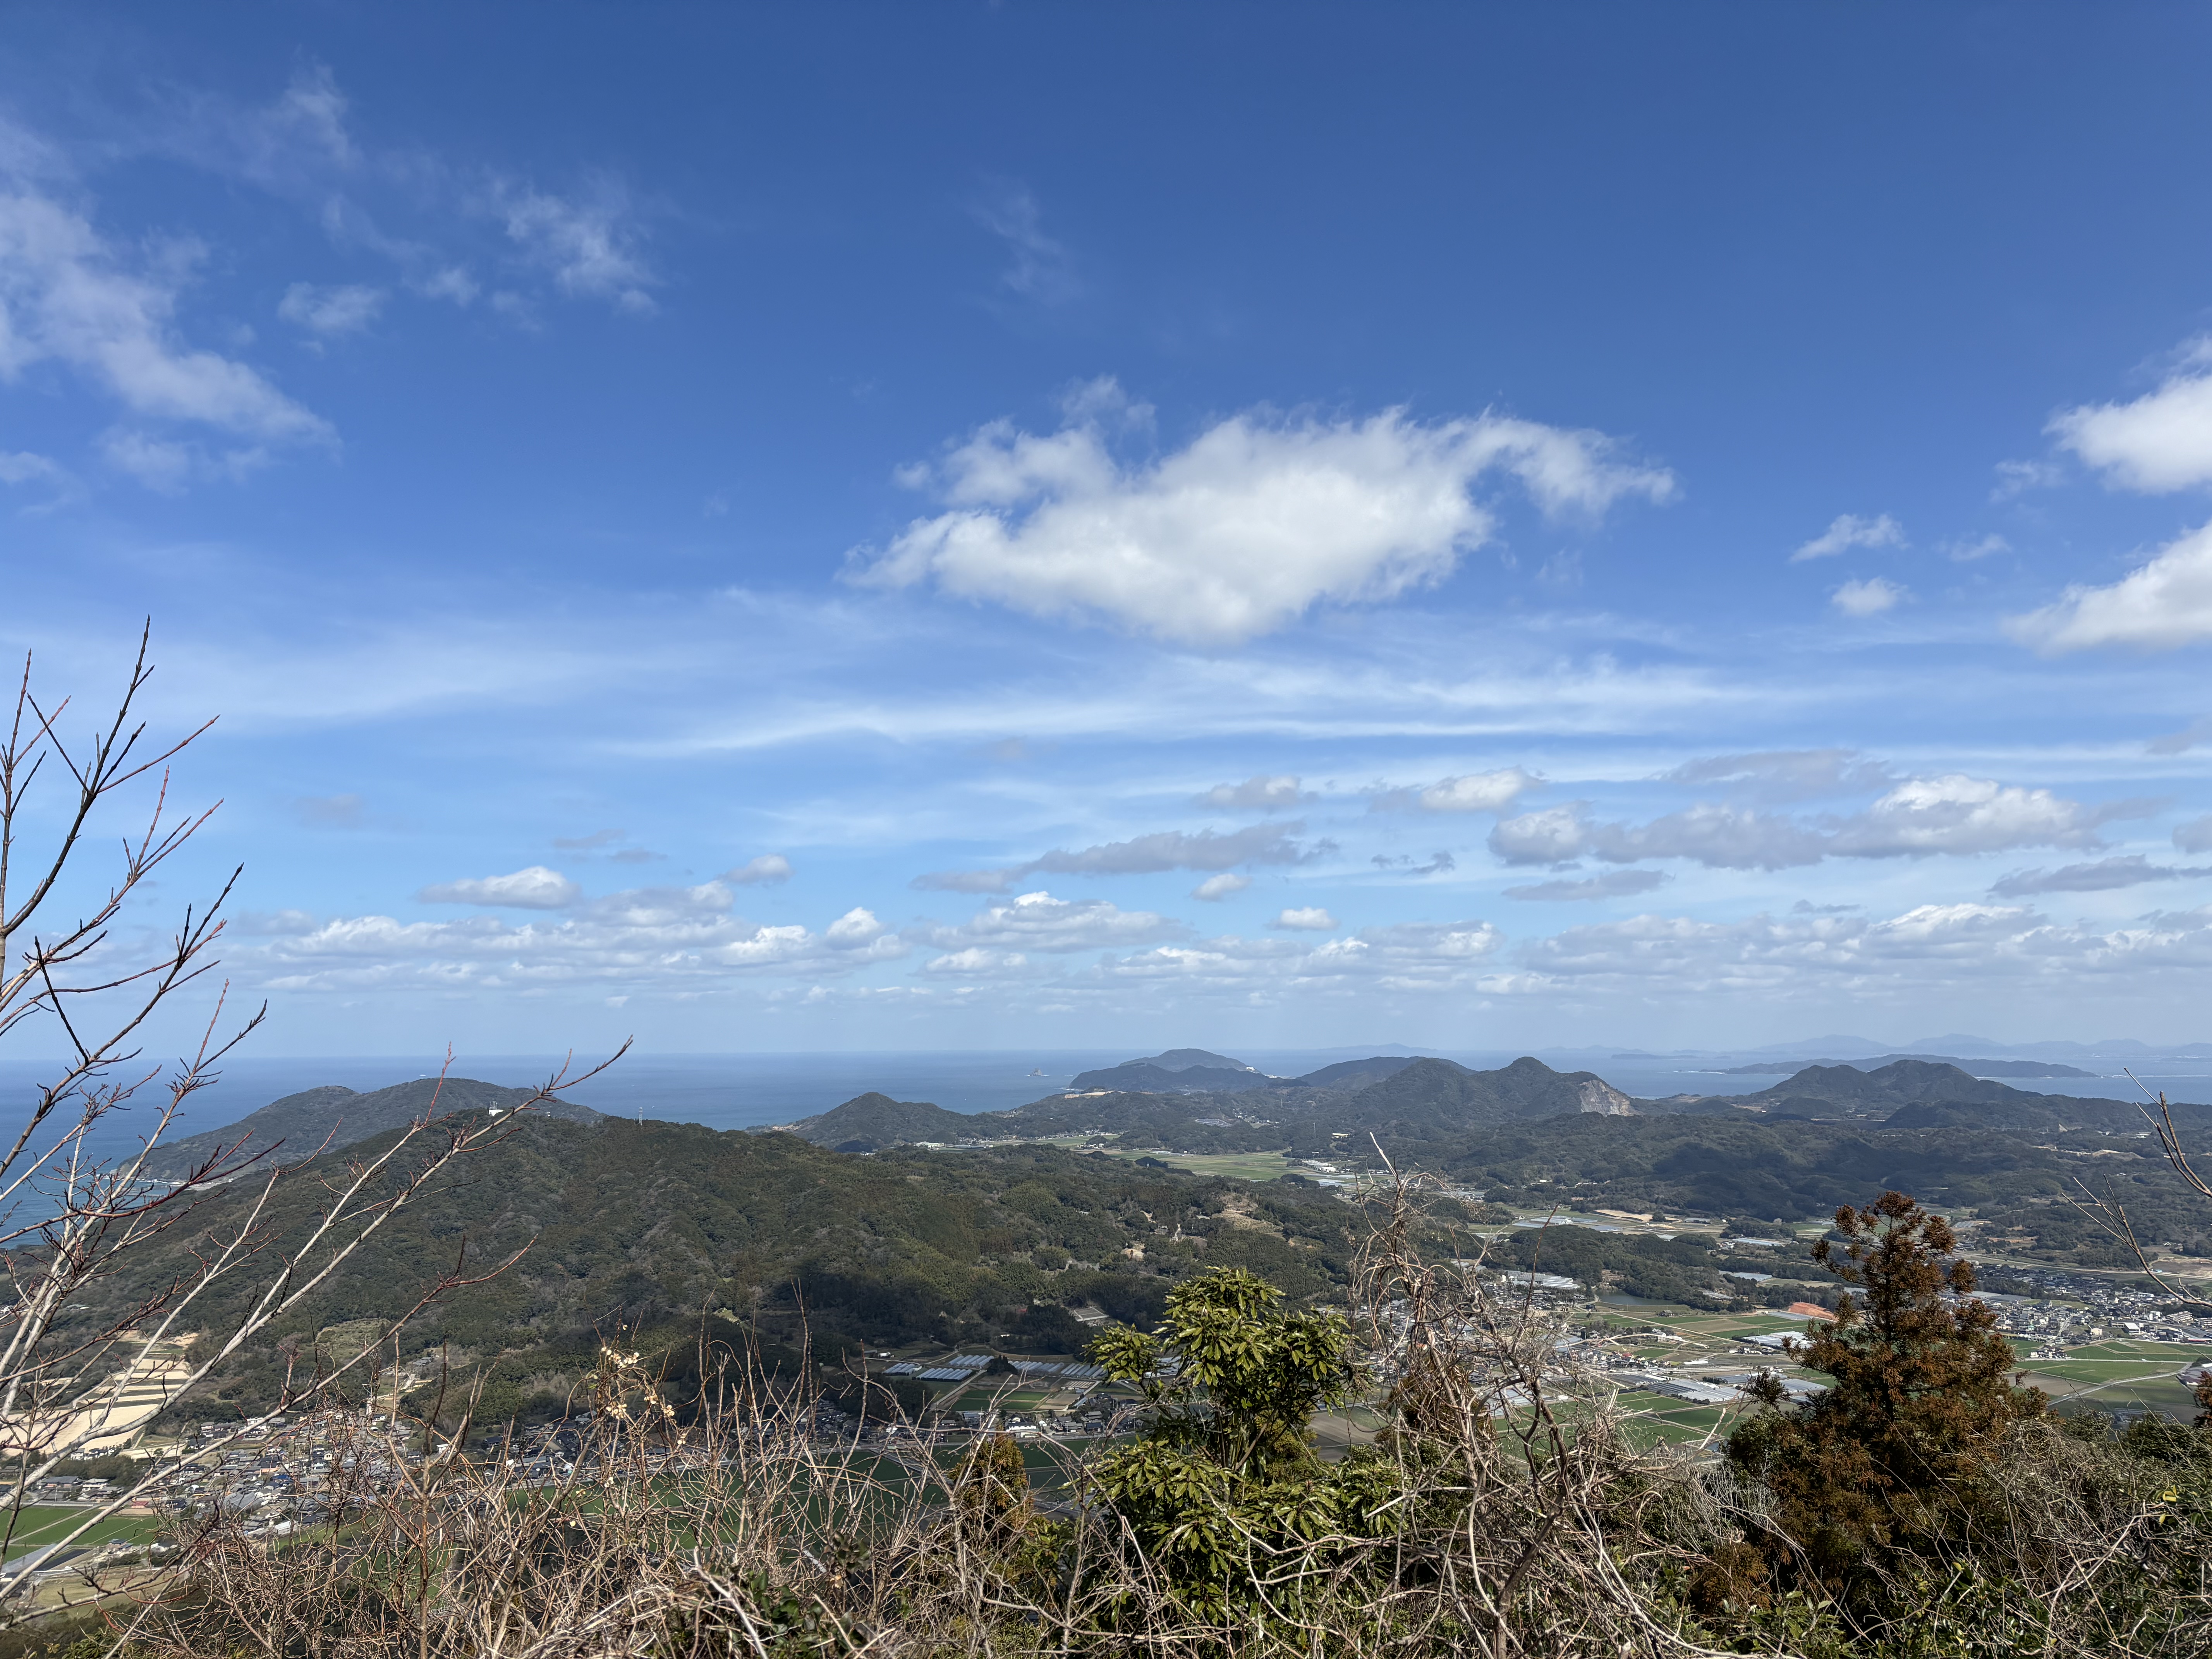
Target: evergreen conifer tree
(1890,1460)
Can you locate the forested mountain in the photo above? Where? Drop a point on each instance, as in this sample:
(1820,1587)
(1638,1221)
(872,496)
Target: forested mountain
(1307,1114)
(867,1122)
(316,1120)
(1179,1071)
(672,1228)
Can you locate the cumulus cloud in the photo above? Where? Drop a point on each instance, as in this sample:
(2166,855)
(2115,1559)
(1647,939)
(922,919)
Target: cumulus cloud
(534,889)
(2099,876)
(1787,774)
(1693,956)
(2194,837)
(69,297)
(1214,889)
(1615,884)
(2165,602)
(2160,443)
(975,962)
(346,309)
(1920,818)
(1869,598)
(1959,814)
(1928,949)
(1472,791)
(1256,520)
(1409,948)
(1038,921)
(1262,794)
(677,937)
(766,870)
(1848,530)
(1310,919)
(1168,849)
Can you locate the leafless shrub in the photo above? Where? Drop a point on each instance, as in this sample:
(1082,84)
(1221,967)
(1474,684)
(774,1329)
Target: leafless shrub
(71,1217)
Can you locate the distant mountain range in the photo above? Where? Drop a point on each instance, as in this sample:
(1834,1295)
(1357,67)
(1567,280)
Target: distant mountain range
(1382,1093)
(1978,1067)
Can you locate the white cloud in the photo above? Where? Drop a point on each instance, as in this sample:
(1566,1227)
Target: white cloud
(1261,793)
(2194,837)
(1475,792)
(1038,921)
(2160,443)
(1959,814)
(23,467)
(1966,549)
(1310,920)
(1409,950)
(1785,774)
(674,938)
(1042,269)
(534,889)
(766,870)
(1255,521)
(2102,876)
(1928,951)
(2161,604)
(1848,530)
(1615,884)
(345,309)
(1553,836)
(156,463)
(1167,849)
(976,961)
(1869,598)
(588,246)
(2017,478)
(1920,818)
(1214,889)
(66,296)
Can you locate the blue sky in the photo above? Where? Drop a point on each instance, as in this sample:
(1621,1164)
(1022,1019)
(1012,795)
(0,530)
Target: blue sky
(968,526)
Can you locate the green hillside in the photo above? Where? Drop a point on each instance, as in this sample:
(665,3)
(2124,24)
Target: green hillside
(299,1126)
(676,1230)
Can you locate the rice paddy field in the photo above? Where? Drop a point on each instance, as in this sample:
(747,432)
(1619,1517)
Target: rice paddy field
(1241,1166)
(40,1524)
(2121,1375)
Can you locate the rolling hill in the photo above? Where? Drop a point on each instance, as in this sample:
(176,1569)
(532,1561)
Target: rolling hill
(328,1118)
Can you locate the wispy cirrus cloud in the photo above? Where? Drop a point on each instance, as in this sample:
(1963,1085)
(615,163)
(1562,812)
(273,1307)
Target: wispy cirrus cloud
(2103,875)
(1615,884)
(105,312)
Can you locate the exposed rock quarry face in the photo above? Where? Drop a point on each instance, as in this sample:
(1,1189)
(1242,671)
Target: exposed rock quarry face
(1598,1097)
